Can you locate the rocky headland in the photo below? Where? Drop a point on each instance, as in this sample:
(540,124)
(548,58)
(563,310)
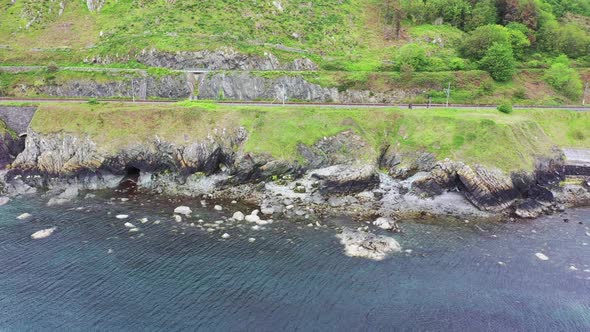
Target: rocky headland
(339,174)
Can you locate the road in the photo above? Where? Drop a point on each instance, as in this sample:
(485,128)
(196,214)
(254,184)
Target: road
(296,104)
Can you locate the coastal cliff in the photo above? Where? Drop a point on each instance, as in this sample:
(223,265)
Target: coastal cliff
(299,162)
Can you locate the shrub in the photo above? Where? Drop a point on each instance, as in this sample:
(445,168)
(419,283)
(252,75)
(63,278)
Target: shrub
(457,64)
(505,107)
(499,62)
(92,101)
(564,79)
(413,55)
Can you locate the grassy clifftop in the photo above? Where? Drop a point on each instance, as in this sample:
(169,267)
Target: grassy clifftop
(508,142)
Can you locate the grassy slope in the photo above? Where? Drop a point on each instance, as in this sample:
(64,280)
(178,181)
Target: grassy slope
(509,142)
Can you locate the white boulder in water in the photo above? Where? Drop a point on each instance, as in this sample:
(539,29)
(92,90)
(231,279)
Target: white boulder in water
(367,245)
(24,216)
(43,233)
(225,236)
(129,225)
(218,207)
(177,218)
(122,216)
(238,216)
(253,217)
(541,256)
(4,200)
(183,210)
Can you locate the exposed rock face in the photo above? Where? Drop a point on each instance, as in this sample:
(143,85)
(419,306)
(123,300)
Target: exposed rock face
(245,86)
(95,5)
(168,86)
(486,189)
(344,148)
(63,154)
(342,179)
(223,59)
(252,86)
(403,165)
(17,118)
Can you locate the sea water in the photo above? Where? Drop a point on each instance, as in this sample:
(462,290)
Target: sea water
(92,273)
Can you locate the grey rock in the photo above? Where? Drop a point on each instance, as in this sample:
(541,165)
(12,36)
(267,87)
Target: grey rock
(367,245)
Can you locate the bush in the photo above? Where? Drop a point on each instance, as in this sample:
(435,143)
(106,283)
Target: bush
(92,101)
(505,107)
(499,62)
(564,79)
(413,55)
(457,64)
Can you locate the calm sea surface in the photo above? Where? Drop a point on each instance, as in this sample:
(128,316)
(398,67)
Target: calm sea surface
(94,274)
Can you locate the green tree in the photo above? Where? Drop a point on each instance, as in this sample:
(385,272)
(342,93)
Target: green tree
(518,41)
(564,79)
(453,12)
(478,41)
(499,62)
(484,12)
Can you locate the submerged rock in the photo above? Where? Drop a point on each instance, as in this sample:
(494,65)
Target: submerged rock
(43,233)
(65,197)
(4,200)
(542,256)
(367,245)
(24,216)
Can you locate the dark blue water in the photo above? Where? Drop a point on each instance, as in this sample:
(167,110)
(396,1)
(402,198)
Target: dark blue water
(93,274)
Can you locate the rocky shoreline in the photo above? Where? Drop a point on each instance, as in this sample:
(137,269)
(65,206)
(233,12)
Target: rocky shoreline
(332,178)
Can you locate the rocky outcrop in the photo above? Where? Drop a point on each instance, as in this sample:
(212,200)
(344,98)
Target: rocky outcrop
(344,148)
(337,174)
(488,190)
(247,86)
(341,179)
(95,5)
(65,154)
(222,59)
(255,86)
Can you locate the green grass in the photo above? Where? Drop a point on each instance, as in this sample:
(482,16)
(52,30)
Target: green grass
(508,142)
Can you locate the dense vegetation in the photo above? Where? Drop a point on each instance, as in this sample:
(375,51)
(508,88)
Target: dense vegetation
(405,36)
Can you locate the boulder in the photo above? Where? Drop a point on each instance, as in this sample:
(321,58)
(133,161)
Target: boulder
(43,233)
(238,216)
(185,210)
(529,209)
(4,200)
(367,245)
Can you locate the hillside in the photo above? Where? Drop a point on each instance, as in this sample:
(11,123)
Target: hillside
(500,37)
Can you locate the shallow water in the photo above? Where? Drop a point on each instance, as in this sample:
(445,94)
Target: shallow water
(92,273)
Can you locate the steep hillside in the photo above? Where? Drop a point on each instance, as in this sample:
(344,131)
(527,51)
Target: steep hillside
(505,38)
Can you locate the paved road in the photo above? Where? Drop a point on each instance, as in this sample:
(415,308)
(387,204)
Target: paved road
(299,104)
